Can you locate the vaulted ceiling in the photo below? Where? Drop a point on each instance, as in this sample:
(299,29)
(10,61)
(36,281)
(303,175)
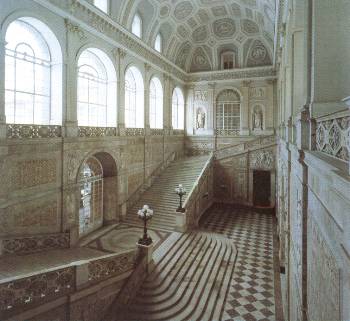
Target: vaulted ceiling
(196,32)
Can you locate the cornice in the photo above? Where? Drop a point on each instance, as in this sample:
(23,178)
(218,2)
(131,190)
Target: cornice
(237,74)
(80,17)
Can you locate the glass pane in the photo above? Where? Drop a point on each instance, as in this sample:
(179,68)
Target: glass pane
(42,110)
(102,5)
(9,72)
(24,108)
(83,114)
(24,76)
(10,106)
(42,80)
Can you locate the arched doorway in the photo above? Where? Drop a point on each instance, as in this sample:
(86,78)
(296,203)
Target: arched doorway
(91,196)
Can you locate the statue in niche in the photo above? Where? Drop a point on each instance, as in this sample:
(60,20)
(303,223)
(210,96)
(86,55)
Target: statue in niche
(257,119)
(200,119)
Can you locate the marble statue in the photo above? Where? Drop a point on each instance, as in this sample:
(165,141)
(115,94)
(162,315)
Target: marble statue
(200,119)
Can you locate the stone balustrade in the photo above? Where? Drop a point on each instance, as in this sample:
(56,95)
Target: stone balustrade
(33,131)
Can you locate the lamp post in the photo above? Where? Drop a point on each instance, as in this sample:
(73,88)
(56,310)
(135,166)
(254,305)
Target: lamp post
(181,191)
(145,214)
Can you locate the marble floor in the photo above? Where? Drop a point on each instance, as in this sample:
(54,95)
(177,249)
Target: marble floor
(195,280)
(255,293)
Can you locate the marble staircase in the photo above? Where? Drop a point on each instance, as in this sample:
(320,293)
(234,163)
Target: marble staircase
(189,281)
(161,196)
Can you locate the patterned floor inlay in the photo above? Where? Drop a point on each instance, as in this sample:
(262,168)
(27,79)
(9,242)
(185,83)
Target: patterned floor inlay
(252,294)
(124,237)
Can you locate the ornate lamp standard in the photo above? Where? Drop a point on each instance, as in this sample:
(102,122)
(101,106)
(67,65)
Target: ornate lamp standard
(145,214)
(181,191)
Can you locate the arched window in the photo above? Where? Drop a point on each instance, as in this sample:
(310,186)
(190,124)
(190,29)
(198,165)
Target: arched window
(136,27)
(178,107)
(156,104)
(228,60)
(33,74)
(158,43)
(91,196)
(228,112)
(102,5)
(134,98)
(96,89)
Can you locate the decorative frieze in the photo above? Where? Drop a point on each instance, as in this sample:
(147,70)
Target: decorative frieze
(36,289)
(97,131)
(332,136)
(35,243)
(112,266)
(264,159)
(33,131)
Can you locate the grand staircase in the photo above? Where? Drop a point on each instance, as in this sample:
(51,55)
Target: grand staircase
(161,196)
(190,280)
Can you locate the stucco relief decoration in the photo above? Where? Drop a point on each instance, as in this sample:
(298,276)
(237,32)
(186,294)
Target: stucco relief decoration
(200,61)
(201,95)
(73,163)
(257,92)
(249,27)
(164,11)
(262,160)
(183,10)
(258,55)
(224,28)
(200,34)
(33,131)
(200,118)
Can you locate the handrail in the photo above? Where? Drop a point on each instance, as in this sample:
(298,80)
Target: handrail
(204,169)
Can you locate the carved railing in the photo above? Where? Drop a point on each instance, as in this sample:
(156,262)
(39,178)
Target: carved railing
(85,131)
(243,147)
(24,293)
(157,132)
(33,131)
(333,134)
(134,132)
(227,132)
(35,243)
(200,197)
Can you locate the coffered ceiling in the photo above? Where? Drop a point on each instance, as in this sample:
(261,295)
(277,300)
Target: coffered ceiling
(196,32)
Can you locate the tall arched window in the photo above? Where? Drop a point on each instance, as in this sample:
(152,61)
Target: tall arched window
(134,98)
(96,89)
(228,112)
(178,107)
(136,27)
(158,43)
(33,74)
(156,104)
(91,196)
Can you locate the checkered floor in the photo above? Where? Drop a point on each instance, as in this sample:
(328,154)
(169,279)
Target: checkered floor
(252,295)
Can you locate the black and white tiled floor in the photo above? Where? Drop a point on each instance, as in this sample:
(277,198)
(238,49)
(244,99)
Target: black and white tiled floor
(252,294)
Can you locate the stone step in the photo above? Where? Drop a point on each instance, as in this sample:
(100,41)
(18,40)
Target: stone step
(190,279)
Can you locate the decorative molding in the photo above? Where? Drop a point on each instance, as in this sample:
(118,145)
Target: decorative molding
(33,131)
(259,72)
(72,28)
(227,132)
(84,131)
(262,160)
(157,132)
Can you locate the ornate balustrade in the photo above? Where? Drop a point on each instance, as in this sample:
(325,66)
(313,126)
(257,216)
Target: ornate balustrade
(33,131)
(157,132)
(84,131)
(227,132)
(37,289)
(333,134)
(105,268)
(244,147)
(25,293)
(200,197)
(134,132)
(178,132)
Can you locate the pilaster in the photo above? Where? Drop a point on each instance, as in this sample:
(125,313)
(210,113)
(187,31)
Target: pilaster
(2,90)
(120,55)
(147,99)
(245,114)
